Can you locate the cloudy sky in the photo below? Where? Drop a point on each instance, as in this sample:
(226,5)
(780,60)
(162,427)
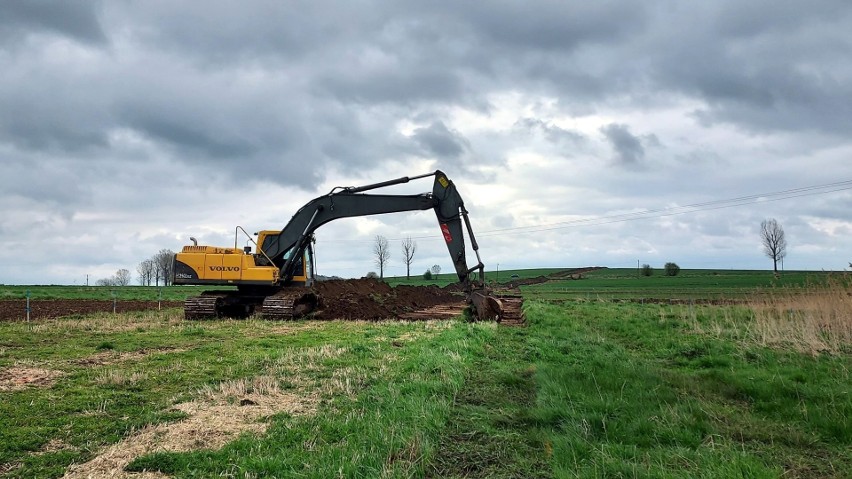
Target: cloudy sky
(579,133)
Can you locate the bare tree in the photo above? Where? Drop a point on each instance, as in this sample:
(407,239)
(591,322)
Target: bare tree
(382,253)
(163,264)
(409,247)
(436,270)
(774,243)
(122,277)
(145,269)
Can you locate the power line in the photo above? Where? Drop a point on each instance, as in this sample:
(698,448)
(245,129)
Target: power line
(654,213)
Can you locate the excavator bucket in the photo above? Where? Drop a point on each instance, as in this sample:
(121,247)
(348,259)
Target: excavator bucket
(487,307)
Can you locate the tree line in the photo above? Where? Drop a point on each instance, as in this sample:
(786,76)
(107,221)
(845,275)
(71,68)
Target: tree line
(154,271)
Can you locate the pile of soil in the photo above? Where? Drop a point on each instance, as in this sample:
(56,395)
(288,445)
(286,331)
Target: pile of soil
(16,310)
(565,274)
(371,299)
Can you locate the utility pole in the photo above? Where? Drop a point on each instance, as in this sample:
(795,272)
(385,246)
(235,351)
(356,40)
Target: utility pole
(87,280)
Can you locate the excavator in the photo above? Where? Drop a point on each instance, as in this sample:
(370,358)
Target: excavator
(275,280)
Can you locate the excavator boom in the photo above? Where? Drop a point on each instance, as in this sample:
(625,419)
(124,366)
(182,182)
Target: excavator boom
(285,251)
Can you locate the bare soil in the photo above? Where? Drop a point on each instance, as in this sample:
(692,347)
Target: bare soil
(371,299)
(16,310)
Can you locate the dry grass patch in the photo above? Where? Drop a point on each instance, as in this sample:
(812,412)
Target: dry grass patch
(104,358)
(813,319)
(20,377)
(117,377)
(112,323)
(216,418)
(54,445)
(9,467)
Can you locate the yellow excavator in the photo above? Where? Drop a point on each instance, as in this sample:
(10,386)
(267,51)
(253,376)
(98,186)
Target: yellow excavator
(275,280)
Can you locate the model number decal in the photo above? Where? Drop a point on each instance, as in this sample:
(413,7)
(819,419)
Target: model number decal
(224,268)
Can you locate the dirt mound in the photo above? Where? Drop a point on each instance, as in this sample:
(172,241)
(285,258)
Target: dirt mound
(371,299)
(16,310)
(564,274)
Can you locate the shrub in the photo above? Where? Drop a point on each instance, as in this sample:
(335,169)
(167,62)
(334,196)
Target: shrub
(427,275)
(372,275)
(672,269)
(647,270)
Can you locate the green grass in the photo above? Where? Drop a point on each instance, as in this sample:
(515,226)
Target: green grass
(633,390)
(689,284)
(144,293)
(588,389)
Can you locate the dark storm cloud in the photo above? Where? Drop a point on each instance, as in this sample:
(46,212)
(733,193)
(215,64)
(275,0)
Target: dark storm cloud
(763,65)
(551,132)
(439,141)
(283,91)
(628,148)
(76,20)
(552,25)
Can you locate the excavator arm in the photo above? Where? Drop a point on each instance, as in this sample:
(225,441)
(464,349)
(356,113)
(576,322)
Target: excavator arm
(285,248)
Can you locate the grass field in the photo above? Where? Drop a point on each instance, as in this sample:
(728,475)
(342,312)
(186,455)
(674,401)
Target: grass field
(605,283)
(149,293)
(591,388)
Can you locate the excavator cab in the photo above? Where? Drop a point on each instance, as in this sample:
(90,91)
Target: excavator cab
(303,269)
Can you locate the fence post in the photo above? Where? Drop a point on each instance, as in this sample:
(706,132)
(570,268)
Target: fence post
(28,306)
(113,301)
(159,298)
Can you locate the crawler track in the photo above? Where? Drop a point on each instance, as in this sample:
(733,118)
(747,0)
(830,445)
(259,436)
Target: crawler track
(219,304)
(203,306)
(288,305)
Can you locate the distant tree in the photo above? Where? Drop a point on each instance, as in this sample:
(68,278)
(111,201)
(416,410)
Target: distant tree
(672,269)
(163,264)
(372,275)
(409,247)
(381,251)
(427,275)
(105,282)
(436,270)
(647,270)
(145,270)
(122,277)
(774,242)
